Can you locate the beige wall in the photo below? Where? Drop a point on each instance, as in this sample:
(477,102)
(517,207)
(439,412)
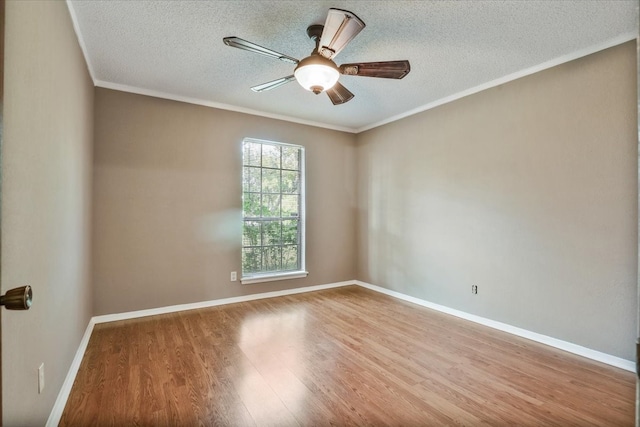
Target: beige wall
(46,162)
(167,202)
(527,190)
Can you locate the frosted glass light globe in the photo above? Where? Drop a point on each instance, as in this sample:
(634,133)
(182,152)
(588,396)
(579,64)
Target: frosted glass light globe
(316,73)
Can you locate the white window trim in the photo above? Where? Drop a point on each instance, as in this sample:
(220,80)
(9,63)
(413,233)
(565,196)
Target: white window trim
(274,277)
(286,275)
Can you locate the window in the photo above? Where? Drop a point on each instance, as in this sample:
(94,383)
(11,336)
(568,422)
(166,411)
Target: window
(272,211)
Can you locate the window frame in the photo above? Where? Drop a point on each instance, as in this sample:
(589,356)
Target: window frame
(281,274)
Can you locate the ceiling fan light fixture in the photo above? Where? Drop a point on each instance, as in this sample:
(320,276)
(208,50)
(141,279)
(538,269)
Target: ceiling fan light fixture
(316,74)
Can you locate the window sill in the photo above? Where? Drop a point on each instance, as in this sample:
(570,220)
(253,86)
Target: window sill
(273,277)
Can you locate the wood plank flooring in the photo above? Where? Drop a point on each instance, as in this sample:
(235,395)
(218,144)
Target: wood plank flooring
(345,356)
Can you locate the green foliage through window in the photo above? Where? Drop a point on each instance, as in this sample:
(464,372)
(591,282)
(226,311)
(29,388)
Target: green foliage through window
(272,200)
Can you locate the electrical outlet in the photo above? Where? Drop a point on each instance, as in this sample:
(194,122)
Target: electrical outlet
(41,378)
(474,289)
(234,276)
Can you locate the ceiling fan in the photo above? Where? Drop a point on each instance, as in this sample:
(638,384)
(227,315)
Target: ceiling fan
(318,72)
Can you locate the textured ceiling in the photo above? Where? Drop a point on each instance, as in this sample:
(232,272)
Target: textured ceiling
(174,49)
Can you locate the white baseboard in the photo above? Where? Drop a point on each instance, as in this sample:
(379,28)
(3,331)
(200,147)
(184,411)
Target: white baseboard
(213,303)
(553,342)
(63,395)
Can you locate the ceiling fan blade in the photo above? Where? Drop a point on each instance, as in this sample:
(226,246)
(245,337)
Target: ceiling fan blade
(252,47)
(340,28)
(273,84)
(339,94)
(385,69)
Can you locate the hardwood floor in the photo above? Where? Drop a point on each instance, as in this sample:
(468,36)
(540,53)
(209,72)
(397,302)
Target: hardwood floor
(346,356)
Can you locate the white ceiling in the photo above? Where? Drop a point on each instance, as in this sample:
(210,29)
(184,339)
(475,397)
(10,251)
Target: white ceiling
(174,49)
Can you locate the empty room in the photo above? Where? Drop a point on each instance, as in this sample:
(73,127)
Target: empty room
(319,213)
